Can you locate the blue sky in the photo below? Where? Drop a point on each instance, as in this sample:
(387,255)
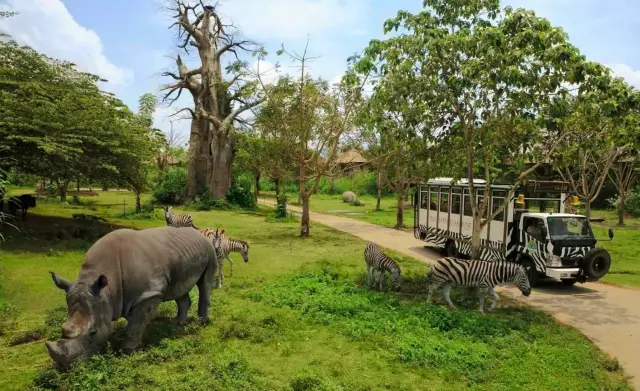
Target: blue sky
(127,41)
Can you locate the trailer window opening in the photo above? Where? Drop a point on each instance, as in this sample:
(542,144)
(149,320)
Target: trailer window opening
(444,202)
(497,203)
(433,199)
(424,199)
(456,203)
(467,205)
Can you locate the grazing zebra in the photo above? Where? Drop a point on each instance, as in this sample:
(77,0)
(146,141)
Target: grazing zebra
(483,274)
(378,263)
(182,220)
(216,238)
(233,245)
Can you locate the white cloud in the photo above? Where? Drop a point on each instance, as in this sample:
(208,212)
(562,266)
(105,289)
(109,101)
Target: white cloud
(48,27)
(629,74)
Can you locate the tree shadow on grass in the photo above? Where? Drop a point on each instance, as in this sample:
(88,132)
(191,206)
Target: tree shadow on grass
(41,234)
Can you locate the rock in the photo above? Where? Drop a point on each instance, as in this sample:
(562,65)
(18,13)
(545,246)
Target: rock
(349,196)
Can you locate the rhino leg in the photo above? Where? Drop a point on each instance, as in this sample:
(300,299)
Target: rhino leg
(205,286)
(138,320)
(183,303)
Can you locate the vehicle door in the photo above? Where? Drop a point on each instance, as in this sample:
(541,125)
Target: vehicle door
(533,240)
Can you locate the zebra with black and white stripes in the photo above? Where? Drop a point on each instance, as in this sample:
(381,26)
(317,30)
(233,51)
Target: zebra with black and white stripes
(216,237)
(234,245)
(181,220)
(484,275)
(378,263)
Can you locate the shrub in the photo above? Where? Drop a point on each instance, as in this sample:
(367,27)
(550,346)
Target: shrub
(632,203)
(207,202)
(171,188)
(240,195)
(281,207)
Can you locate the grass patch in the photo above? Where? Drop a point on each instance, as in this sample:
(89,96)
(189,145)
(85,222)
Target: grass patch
(296,317)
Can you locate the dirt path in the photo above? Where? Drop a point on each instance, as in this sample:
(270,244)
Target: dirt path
(609,316)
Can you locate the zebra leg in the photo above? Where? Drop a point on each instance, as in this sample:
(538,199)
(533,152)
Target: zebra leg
(432,288)
(447,292)
(481,294)
(230,264)
(369,276)
(381,278)
(494,296)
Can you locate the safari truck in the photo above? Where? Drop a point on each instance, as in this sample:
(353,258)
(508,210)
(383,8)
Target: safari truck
(547,241)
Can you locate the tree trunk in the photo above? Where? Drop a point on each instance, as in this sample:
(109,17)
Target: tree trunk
(400,206)
(587,208)
(332,187)
(379,188)
(221,172)
(138,204)
(300,189)
(62,188)
(105,187)
(199,158)
(277,183)
(475,237)
(78,185)
(621,209)
(304,222)
(257,189)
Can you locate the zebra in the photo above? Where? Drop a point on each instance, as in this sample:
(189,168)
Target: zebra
(475,273)
(182,220)
(233,245)
(378,263)
(216,238)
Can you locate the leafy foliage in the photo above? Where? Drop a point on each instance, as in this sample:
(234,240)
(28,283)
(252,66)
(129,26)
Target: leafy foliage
(170,189)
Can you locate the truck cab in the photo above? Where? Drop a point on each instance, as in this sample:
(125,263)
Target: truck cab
(560,246)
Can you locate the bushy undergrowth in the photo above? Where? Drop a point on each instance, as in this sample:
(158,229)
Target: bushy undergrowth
(170,189)
(148,211)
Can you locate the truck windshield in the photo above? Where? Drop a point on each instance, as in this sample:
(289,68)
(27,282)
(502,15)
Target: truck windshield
(569,227)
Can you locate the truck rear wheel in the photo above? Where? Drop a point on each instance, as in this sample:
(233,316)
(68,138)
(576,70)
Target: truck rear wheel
(596,263)
(450,249)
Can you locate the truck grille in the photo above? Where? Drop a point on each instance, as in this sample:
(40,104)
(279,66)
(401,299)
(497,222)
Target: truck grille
(571,262)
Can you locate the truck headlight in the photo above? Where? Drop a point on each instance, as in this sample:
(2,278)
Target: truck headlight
(554,261)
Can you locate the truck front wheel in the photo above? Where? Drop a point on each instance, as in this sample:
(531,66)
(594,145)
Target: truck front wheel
(596,263)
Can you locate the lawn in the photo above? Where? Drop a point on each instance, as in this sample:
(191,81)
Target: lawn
(333,205)
(624,249)
(296,317)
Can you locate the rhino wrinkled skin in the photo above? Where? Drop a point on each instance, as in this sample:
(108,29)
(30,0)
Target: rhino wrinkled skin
(128,274)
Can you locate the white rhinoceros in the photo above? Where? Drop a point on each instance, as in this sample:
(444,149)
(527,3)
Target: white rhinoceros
(127,274)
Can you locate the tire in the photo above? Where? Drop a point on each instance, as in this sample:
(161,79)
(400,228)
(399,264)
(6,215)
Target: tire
(569,282)
(450,250)
(596,263)
(532,273)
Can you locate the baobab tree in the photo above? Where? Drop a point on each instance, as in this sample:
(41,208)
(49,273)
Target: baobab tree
(218,98)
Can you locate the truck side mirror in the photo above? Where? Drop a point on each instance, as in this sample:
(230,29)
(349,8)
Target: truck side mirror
(544,232)
(610,233)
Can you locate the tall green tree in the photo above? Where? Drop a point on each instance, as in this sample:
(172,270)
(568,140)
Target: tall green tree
(484,77)
(595,129)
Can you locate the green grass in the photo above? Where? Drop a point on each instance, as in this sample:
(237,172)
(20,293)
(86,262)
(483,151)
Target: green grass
(624,249)
(333,205)
(296,317)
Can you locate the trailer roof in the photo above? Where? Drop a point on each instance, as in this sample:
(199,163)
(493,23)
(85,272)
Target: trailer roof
(544,215)
(463,182)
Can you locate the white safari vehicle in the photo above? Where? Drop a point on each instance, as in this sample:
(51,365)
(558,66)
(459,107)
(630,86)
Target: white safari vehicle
(548,241)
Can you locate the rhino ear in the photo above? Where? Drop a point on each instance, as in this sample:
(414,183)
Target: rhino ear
(99,284)
(60,282)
